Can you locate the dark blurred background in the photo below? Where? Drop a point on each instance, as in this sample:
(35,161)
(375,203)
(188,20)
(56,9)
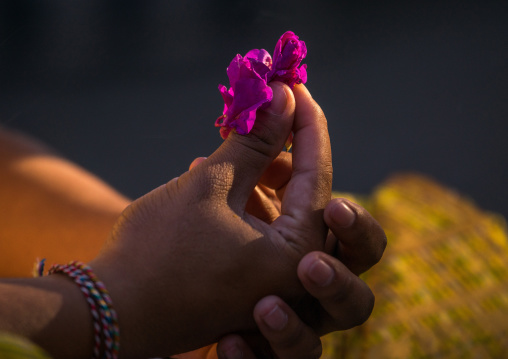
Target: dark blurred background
(128,89)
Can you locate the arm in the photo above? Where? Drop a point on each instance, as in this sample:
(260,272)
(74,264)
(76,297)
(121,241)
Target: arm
(183,261)
(355,243)
(345,301)
(50,207)
(192,239)
(51,311)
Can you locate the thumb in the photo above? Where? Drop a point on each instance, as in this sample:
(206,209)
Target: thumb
(235,167)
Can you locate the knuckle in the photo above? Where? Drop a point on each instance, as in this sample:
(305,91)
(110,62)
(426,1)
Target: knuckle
(265,140)
(259,147)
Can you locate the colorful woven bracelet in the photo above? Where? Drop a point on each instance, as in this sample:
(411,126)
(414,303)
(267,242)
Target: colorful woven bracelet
(105,321)
(99,292)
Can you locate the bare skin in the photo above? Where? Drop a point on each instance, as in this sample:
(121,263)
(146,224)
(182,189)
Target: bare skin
(290,229)
(355,237)
(50,207)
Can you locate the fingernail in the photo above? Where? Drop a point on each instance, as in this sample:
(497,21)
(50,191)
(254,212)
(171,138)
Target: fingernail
(276,319)
(232,352)
(196,162)
(279,100)
(303,88)
(344,216)
(321,273)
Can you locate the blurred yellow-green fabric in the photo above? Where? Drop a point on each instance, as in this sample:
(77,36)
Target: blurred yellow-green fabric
(442,286)
(14,347)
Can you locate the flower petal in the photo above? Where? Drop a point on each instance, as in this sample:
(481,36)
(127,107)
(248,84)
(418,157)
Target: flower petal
(288,54)
(248,92)
(249,77)
(260,60)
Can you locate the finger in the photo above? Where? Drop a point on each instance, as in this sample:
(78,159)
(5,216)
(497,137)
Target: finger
(196,162)
(287,335)
(359,239)
(278,172)
(232,172)
(346,300)
(234,347)
(250,345)
(263,204)
(309,189)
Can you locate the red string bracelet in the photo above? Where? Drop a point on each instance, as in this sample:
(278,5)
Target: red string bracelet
(105,321)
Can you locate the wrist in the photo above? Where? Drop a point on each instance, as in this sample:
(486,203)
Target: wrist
(156,317)
(71,330)
(105,323)
(126,290)
(50,311)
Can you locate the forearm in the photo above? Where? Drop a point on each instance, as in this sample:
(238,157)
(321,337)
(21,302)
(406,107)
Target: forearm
(50,207)
(51,311)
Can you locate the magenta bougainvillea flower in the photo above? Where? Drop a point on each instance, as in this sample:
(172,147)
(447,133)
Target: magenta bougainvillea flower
(287,56)
(248,91)
(249,77)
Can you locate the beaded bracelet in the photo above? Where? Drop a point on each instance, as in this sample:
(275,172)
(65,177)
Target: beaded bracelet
(105,322)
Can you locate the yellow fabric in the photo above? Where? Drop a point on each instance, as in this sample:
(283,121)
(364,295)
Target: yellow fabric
(442,285)
(12,347)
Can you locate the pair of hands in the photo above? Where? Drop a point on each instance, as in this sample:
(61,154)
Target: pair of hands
(345,301)
(187,263)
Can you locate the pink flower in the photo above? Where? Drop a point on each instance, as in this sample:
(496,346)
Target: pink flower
(248,92)
(261,62)
(249,77)
(287,56)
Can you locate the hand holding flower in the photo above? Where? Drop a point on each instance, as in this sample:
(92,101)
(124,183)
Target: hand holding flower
(192,238)
(249,77)
(355,237)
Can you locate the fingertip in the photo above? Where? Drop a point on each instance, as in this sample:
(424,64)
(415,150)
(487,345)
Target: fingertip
(232,347)
(196,162)
(339,213)
(269,312)
(287,334)
(306,104)
(281,96)
(347,299)
(355,236)
(274,122)
(301,88)
(314,268)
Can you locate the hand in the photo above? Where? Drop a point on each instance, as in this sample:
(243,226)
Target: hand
(186,263)
(344,300)
(355,237)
